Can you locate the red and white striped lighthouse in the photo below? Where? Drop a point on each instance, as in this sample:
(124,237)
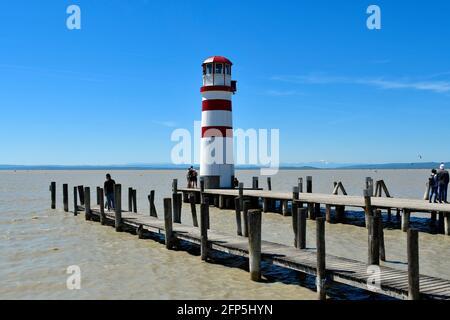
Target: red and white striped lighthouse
(216,147)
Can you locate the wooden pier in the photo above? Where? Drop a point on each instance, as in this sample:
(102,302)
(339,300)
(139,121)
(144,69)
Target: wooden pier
(314,201)
(326,268)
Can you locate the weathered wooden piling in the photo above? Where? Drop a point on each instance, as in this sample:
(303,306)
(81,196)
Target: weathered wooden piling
(317,212)
(301,228)
(66,197)
(368,211)
(254,244)
(151,199)
(321,254)
(309,184)
(245,210)
(221,201)
(193,209)
(168,225)
(413,264)
(202,189)
(284,208)
(53,194)
(75,202)
(255,183)
(102,206)
(311,211)
(98,196)
(328,213)
(300,185)
(130,199)
(81,194)
(441,223)
(269,183)
(237,208)
(87,203)
(405,219)
(381,236)
(373,240)
(118,207)
(204,213)
(140,231)
(135,201)
(295,195)
(175,206)
(447,223)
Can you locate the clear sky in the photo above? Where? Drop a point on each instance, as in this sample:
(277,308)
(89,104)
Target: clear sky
(113,92)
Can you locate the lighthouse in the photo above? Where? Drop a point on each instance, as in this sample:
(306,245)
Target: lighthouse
(216,146)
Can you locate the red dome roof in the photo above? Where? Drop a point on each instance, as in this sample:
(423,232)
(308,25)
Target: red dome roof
(217,59)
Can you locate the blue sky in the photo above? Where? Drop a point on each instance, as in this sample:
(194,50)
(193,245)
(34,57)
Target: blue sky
(113,92)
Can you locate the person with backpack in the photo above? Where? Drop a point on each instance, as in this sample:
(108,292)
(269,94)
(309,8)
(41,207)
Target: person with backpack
(443,180)
(433,183)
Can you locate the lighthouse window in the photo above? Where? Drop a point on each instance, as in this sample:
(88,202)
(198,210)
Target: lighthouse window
(227,69)
(209,68)
(219,68)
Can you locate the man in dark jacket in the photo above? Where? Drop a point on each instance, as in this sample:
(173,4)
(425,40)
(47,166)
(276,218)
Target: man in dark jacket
(443,180)
(109,191)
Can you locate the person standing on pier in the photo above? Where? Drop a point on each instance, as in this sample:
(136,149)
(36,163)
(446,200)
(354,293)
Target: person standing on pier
(443,180)
(433,186)
(189,177)
(109,192)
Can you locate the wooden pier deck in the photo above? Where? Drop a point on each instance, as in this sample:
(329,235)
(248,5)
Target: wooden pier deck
(393,282)
(406,206)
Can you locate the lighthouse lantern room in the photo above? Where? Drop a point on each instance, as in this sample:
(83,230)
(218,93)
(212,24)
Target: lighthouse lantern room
(216,147)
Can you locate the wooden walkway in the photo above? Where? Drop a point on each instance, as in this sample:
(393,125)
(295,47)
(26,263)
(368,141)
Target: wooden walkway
(394,282)
(406,206)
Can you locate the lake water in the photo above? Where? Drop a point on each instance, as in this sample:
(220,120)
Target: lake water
(38,244)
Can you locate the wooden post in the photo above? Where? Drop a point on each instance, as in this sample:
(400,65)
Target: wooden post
(102,206)
(204,213)
(193,210)
(308,184)
(255,183)
(75,204)
(312,211)
(140,231)
(168,226)
(321,271)
(269,183)
(221,201)
(284,207)
(369,186)
(87,203)
(176,214)
(381,236)
(135,201)
(98,196)
(295,195)
(237,207)
(441,223)
(81,194)
(241,195)
(340,213)
(368,205)
(118,207)
(245,214)
(254,244)
(301,228)
(66,197)
(151,199)
(202,189)
(405,220)
(413,265)
(53,194)
(328,213)
(447,223)
(300,185)
(266,204)
(374,242)
(433,218)
(317,212)
(130,199)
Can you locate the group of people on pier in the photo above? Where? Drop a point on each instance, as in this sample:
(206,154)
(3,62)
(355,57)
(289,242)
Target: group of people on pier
(192,177)
(438,182)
